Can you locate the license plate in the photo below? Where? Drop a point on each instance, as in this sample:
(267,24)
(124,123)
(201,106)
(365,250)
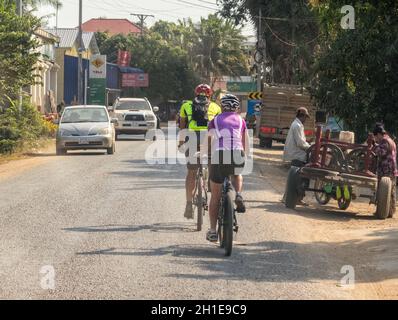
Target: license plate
(84,141)
(133,124)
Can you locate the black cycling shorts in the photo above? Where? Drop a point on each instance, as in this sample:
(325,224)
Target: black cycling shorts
(193,163)
(225,164)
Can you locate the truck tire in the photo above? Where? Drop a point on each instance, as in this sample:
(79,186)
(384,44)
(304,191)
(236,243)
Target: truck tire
(291,193)
(61,152)
(383,198)
(111,150)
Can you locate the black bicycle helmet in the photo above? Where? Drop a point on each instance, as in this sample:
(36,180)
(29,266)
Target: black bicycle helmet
(230,102)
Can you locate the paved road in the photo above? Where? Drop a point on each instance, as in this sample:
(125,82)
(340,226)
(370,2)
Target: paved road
(112,227)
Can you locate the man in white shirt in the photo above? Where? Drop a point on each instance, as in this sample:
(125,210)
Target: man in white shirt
(296,144)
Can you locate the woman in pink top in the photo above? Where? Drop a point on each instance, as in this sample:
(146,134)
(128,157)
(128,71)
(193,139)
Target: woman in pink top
(228,135)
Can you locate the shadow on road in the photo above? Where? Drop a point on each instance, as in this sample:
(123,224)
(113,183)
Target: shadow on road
(325,213)
(158,227)
(276,261)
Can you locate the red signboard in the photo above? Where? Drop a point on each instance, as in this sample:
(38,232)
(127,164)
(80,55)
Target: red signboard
(123,58)
(135,80)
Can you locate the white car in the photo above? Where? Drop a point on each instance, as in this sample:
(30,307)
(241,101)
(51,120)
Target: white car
(134,115)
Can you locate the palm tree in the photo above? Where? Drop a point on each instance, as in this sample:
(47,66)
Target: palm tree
(218,50)
(37,3)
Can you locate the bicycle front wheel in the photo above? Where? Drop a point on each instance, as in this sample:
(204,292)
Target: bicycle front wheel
(200,201)
(228,224)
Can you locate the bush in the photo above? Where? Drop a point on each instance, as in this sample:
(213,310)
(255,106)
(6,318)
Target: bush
(22,128)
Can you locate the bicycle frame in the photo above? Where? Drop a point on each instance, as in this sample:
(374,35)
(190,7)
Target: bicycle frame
(200,199)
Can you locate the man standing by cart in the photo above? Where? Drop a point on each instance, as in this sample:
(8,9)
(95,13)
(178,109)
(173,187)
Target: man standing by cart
(386,151)
(296,145)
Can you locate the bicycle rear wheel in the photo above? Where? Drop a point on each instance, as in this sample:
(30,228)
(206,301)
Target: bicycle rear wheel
(228,224)
(200,200)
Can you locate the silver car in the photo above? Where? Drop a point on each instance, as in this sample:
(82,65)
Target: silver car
(84,128)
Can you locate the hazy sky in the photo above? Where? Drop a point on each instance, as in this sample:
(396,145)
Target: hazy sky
(170,10)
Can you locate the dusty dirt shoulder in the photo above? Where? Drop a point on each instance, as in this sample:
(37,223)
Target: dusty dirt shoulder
(14,165)
(348,238)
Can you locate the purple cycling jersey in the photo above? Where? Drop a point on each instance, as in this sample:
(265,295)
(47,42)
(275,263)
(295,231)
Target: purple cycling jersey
(228,129)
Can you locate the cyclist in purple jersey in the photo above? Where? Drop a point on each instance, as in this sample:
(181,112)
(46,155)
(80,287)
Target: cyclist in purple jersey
(228,136)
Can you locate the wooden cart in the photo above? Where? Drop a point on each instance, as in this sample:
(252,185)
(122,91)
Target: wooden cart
(337,168)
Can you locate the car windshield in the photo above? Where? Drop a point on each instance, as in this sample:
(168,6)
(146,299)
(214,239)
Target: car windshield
(79,115)
(133,105)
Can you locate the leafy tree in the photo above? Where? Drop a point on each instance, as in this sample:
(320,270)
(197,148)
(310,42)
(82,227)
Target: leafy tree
(18,53)
(180,55)
(218,51)
(357,70)
(171,76)
(214,46)
(37,3)
(289,29)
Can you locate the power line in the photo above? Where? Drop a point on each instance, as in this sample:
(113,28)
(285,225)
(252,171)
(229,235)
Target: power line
(208,2)
(193,5)
(142,18)
(197,5)
(291,44)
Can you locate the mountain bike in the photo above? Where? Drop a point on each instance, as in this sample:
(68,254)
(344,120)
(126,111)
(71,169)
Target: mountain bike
(227,222)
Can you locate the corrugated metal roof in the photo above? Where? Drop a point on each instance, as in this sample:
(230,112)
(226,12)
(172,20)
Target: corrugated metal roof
(68,37)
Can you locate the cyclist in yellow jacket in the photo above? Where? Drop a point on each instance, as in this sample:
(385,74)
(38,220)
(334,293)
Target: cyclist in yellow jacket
(195,116)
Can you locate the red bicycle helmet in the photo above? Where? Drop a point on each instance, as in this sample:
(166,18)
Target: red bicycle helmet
(203,89)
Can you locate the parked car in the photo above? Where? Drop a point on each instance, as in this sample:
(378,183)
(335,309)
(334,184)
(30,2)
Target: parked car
(134,115)
(84,128)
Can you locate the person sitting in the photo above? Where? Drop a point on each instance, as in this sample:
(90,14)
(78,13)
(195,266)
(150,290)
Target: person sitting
(386,151)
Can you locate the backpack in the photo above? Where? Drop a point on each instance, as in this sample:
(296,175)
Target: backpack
(200,113)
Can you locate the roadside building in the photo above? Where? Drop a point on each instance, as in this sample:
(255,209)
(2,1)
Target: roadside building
(66,56)
(44,92)
(111,26)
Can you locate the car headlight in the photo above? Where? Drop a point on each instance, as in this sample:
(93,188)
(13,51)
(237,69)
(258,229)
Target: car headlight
(65,133)
(103,131)
(150,117)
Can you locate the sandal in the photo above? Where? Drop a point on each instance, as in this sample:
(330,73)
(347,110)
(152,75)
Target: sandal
(212,236)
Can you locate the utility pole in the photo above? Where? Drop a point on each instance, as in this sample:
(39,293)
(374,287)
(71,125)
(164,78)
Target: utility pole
(142,18)
(80,60)
(259,71)
(259,41)
(20,13)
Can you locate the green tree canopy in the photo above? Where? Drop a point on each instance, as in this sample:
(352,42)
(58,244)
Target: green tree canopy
(178,56)
(289,31)
(18,53)
(171,76)
(357,70)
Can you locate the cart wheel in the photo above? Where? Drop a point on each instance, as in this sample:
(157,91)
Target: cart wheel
(343,203)
(335,159)
(356,161)
(321,197)
(383,198)
(291,193)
